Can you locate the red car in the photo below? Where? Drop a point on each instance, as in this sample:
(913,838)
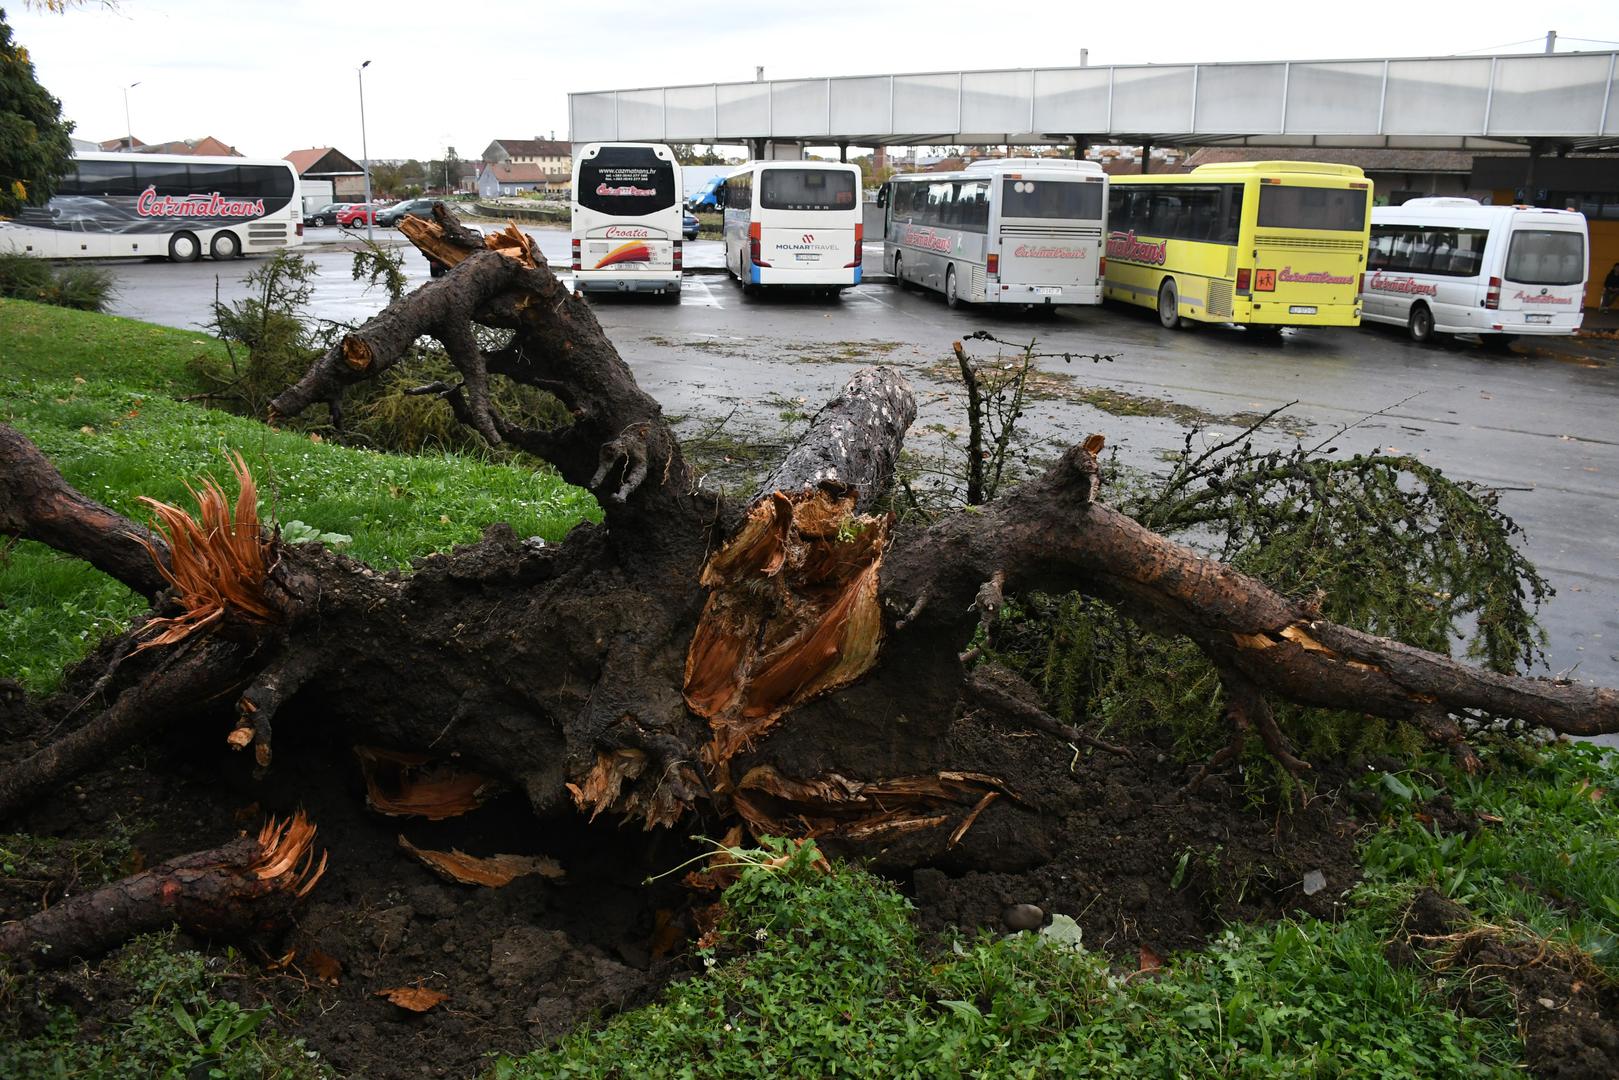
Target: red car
(352,217)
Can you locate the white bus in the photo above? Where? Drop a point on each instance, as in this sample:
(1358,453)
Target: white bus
(793,224)
(171,205)
(1011,231)
(1453,266)
(626,219)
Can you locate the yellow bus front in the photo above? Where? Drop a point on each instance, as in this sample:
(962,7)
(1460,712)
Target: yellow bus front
(1303,247)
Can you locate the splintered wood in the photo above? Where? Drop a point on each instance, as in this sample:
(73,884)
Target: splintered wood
(491,871)
(793,614)
(835,806)
(402,784)
(216,562)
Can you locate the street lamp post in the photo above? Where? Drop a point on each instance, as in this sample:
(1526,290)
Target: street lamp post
(365,152)
(129,129)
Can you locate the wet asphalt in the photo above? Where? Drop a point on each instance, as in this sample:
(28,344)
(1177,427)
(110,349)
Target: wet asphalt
(1539,424)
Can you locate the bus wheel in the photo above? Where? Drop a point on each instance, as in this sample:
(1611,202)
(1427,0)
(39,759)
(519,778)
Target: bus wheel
(951,297)
(899,272)
(183,247)
(225,246)
(1420,324)
(1169,305)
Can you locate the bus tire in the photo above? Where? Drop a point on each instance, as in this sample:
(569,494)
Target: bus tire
(184,248)
(1420,324)
(225,246)
(1169,305)
(899,272)
(951,297)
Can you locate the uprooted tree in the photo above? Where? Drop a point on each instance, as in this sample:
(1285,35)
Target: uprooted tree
(795,659)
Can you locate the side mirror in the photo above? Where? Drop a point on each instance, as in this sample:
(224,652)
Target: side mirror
(882,195)
(719,198)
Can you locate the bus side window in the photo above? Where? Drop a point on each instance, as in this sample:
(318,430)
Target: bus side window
(1381,247)
(102,178)
(1400,256)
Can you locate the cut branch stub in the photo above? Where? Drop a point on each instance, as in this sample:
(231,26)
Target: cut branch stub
(793,613)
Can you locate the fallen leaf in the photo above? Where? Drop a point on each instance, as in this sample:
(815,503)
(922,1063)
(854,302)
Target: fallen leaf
(491,871)
(415,998)
(325,966)
(1149,960)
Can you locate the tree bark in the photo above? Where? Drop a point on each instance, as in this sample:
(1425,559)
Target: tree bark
(251,883)
(693,651)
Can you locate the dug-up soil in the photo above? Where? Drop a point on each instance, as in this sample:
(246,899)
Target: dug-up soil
(1124,851)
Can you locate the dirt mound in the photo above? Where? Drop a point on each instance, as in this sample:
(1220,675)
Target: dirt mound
(1567,1010)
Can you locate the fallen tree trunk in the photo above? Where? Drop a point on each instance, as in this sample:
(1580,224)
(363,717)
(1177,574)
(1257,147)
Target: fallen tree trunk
(754,656)
(248,884)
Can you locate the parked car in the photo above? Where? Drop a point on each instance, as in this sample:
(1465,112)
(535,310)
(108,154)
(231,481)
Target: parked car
(438,269)
(689,225)
(352,217)
(422,208)
(327,215)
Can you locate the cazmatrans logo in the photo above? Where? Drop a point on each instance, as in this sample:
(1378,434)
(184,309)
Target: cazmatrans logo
(1314,277)
(624,189)
(1381,282)
(151,204)
(1125,246)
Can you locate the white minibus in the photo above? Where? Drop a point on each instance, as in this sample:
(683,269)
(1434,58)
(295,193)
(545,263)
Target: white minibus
(176,206)
(793,224)
(1453,266)
(626,219)
(1010,231)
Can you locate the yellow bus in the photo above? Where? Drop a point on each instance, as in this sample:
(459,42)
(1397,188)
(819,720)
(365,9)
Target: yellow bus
(1264,244)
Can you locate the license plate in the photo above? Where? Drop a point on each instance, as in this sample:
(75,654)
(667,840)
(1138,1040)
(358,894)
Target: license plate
(1537,318)
(1301,309)
(1047,290)
(807,256)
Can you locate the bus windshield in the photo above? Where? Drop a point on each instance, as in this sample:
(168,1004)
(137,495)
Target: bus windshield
(1322,208)
(626,181)
(806,189)
(1050,199)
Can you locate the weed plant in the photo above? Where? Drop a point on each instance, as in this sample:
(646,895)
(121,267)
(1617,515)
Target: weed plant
(820,975)
(170,1022)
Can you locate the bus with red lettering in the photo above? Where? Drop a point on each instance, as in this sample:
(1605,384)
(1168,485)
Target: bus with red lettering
(626,219)
(1262,244)
(1006,231)
(1441,266)
(173,206)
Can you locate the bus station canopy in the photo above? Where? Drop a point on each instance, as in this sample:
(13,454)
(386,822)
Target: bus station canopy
(1442,102)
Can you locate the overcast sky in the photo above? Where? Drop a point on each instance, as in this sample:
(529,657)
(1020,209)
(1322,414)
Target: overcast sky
(270,77)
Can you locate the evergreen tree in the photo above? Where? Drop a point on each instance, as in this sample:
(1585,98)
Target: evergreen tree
(35,150)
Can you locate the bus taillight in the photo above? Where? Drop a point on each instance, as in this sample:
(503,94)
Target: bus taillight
(679,258)
(576,253)
(859,238)
(754,240)
(300,228)
(1492,298)
(1101,267)
(1245,280)
(993,264)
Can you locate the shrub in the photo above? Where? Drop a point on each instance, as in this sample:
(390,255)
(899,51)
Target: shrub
(25,277)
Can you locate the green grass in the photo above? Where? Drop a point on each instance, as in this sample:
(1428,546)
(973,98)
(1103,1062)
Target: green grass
(94,394)
(825,978)
(1546,855)
(166,1022)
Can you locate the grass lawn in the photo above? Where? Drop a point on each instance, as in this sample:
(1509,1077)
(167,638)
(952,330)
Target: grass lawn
(97,394)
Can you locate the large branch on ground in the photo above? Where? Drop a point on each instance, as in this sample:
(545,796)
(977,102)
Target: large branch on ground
(249,884)
(617,444)
(37,504)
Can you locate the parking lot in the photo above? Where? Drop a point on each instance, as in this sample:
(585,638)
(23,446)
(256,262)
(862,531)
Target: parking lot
(1538,424)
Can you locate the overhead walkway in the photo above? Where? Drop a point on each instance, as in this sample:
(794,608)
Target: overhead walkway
(1545,101)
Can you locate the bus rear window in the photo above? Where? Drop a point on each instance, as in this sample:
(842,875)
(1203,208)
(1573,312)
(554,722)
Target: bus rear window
(626,181)
(1546,257)
(806,189)
(1051,199)
(1328,209)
